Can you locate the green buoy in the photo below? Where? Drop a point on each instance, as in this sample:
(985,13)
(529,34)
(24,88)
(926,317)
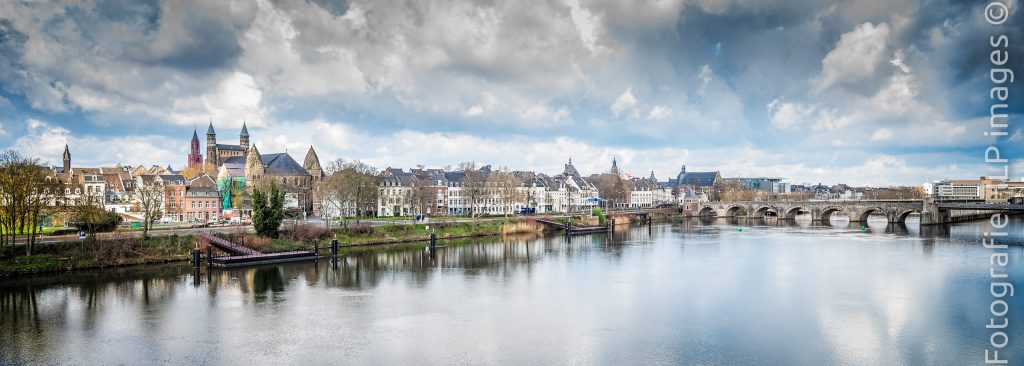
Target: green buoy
(741,230)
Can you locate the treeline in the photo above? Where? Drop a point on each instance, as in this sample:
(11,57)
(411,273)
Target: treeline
(26,189)
(30,193)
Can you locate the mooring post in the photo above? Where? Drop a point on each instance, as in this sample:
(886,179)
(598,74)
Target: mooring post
(196,253)
(433,240)
(209,255)
(316,248)
(334,247)
(613,225)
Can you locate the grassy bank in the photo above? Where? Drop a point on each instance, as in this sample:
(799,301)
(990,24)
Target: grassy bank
(120,252)
(384,234)
(116,252)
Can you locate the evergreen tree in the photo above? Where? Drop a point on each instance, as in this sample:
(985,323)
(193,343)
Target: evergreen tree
(267,212)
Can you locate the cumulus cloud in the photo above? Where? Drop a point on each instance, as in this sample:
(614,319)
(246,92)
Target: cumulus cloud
(45,140)
(659,112)
(871,79)
(624,102)
(856,56)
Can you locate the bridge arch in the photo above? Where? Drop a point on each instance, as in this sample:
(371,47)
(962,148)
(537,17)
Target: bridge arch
(761,211)
(902,216)
(792,212)
(707,211)
(827,212)
(733,210)
(863,215)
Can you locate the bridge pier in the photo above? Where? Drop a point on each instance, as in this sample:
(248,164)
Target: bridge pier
(931,215)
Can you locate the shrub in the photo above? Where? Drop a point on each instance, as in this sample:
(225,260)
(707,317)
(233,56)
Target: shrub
(107,223)
(307,232)
(600,216)
(64,232)
(258,243)
(522,227)
(115,249)
(360,229)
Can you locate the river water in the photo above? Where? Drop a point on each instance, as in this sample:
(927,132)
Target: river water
(715,292)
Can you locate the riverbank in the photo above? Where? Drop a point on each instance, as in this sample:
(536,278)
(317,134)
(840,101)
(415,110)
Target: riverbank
(128,251)
(108,253)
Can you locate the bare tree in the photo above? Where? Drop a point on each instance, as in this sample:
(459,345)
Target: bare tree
(529,185)
(150,198)
(350,187)
(87,210)
(612,188)
(506,186)
(473,186)
(26,187)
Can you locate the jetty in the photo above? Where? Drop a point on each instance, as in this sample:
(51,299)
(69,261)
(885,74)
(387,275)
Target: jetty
(239,255)
(571,229)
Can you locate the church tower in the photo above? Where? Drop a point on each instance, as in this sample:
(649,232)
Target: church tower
(243,138)
(615,167)
(253,166)
(195,159)
(67,159)
(211,146)
(312,165)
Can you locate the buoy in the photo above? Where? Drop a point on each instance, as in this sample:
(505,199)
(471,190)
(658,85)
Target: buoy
(741,230)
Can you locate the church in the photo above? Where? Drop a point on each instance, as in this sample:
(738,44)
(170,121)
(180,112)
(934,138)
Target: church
(216,153)
(240,167)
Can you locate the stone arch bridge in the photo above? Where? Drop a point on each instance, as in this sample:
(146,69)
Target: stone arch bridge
(896,211)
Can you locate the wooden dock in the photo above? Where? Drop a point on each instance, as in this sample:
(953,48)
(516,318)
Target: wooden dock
(239,256)
(571,229)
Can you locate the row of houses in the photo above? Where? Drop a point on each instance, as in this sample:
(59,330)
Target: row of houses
(215,188)
(116,188)
(484,190)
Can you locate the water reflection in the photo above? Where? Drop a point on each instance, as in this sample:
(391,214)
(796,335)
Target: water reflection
(701,290)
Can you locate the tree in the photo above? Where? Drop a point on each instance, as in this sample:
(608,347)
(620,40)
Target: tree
(268,211)
(350,187)
(87,212)
(191,172)
(473,186)
(422,196)
(612,188)
(529,194)
(150,198)
(26,187)
(506,187)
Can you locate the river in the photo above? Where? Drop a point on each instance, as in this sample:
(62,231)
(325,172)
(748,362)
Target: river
(715,292)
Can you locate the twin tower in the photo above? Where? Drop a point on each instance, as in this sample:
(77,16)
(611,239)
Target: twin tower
(216,153)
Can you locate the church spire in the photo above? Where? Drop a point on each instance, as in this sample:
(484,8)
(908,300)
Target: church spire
(243,137)
(312,164)
(67,159)
(195,158)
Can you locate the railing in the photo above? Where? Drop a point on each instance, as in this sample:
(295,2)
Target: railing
(238,255)
(227,246)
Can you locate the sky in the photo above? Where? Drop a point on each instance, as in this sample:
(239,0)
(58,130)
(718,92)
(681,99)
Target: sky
(862,92)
